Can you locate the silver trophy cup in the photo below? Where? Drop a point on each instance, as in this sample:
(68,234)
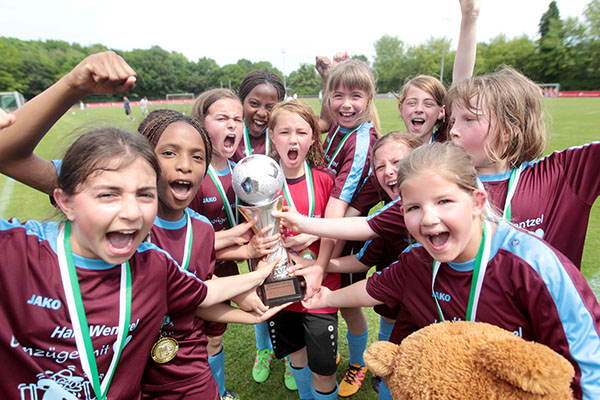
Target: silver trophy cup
(257,180)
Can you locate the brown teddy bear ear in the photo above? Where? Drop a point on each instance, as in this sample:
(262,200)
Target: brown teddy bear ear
(380,358)
(530,366)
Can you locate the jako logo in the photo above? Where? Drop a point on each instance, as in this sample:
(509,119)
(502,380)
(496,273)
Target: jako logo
(44,302)
(442,296)
(209,200)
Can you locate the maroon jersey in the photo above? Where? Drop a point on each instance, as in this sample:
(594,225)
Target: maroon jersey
(209,203)
(37,335)
(370,194)
(258,145)
(554,196)
(351,162)
(190,368)
(528,288)
(323,184)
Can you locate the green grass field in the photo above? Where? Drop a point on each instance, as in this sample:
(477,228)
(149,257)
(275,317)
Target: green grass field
(573,122)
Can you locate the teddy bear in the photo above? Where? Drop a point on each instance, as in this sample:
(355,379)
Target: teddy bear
(470,360)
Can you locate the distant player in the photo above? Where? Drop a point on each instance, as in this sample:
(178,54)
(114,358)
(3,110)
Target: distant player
(127,108)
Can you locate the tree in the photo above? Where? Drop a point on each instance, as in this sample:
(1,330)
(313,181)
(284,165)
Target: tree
(305,80)
(552,14)
(389,63)
(592,17)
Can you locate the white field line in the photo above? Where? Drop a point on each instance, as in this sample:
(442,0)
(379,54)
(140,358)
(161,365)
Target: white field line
(5,196)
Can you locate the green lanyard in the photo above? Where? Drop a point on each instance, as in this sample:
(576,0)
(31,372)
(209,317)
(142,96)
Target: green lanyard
(479,268)
(512,187)
(230,215)
(247,142)
(310,190)
(189,238)
(337,150)
(81,329)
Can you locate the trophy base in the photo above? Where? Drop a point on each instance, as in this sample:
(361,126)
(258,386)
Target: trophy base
(278,291)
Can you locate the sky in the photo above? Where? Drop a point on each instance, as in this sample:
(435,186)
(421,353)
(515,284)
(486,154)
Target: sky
(285,33)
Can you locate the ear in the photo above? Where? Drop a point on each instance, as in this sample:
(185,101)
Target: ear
(400,108)
(380,358)
(479,198)
(65,202)
(442,113)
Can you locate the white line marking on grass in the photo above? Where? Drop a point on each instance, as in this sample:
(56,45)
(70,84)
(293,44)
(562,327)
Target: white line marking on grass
(6,193)
(594,283)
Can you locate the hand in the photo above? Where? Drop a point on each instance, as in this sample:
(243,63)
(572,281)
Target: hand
(322,65)
(251,302)
(469,8)
(300,262)
(6,119)
(290,218)
(313,276)
(299,242)
(102,73)
(270,312)
(266,267)
(242,233)
(340,57)
(261,245)
(319,300)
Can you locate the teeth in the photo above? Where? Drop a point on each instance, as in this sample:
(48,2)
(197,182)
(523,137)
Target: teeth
(261,123)
(182,183)
(347,114)
(127,232)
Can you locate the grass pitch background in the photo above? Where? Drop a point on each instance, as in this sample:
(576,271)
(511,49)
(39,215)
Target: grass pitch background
(572,121)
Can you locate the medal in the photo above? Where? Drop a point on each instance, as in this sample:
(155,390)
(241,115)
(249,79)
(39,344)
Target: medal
(164,350)
(81,330)
(478,274)
(166,347)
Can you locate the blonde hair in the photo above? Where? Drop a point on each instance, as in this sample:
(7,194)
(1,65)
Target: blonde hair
(208,98)
(315,154)
(513,104)
(410,140)
(444,159)
(434,87)
(354,74)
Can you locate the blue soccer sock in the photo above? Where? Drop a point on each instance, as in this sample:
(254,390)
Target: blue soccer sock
(303,377)
(357,344)
(384,392)
(217,366)
(325,396)
(385,330)
(261,332)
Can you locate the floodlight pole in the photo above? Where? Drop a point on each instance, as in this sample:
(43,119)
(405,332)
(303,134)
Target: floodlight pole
(284,84)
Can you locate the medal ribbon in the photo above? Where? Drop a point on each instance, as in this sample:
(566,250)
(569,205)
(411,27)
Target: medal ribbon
(215,178)
(478,274)
(81,329)
(337,150)
(310,190)
(512,187)
(248,149)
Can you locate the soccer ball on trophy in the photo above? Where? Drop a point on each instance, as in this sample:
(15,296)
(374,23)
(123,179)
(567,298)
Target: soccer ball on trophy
(257,179)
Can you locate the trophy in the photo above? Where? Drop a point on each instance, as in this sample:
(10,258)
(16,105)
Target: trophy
(257,180)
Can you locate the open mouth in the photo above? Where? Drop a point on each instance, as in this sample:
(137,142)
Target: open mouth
(292,154)
(228,142)
(181,189)
(438,240)
(121,241)
(393,187)
(347,114)
(418,123)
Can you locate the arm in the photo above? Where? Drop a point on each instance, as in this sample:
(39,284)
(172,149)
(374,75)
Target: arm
(259,246)
(97,74)
(323,65)
(354,295)
(464,61)
(225,313)
(222,289)
(353,228)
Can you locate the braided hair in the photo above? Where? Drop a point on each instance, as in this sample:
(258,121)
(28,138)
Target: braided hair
(261,77)
(153,126)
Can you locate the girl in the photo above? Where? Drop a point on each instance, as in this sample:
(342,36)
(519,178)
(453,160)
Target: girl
(350,116)
(310,338)
(259,91)
(480,269)
(182,146)
(499,120)
(220,111)
(91,276)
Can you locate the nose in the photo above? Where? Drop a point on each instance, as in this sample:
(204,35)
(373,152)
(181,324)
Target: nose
(130,208)
(429,217)
(183,164)
(390,169)
(454,133)
(230,123)
(262,111)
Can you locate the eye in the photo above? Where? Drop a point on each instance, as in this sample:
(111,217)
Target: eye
(410,208)
(445,201)
(198,157)
(253,104)
(430,104)
(411,103)
(168,153)
(147,195)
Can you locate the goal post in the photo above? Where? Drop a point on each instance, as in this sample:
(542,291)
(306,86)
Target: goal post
(550,89)
(180,96)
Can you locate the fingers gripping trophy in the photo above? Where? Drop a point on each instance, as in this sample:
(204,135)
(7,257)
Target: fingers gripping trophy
(257,180)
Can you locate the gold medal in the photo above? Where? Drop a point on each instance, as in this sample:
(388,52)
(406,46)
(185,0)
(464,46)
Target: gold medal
(164,350)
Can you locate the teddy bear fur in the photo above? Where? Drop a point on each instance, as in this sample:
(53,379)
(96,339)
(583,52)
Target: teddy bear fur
(470,360)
